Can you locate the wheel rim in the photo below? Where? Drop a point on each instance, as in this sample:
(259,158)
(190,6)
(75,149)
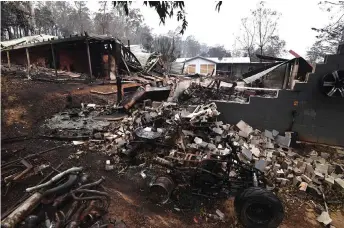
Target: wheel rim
(259,213)
(333,84)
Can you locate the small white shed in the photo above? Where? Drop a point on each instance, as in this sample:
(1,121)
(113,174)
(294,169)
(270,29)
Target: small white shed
(198,65)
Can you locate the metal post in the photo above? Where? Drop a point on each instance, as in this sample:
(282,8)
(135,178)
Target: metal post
(119,88)
(28,62)
(109,60)
(89,59)
(54,60)
(129,45)
(294,73)
(8,59)
(117,51)
(285,79)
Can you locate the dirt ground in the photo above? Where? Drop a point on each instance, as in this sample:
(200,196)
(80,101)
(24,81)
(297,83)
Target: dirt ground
(26,104)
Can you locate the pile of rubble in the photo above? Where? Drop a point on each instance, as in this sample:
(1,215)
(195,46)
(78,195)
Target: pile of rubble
(42,73)
(196,93)
(180,133)
(208,157)
(270,152)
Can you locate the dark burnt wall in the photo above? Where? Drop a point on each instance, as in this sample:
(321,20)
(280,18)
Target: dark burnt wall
(318,118)
(72,57)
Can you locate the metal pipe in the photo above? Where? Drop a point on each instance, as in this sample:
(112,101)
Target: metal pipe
(30,156)
(63,187)
(28,62)
(8,59)
(96,183)
(22,211)
(89,59)
(55,178)
(54,60)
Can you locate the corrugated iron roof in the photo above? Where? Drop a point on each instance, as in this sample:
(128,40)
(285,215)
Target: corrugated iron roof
(26,40)
(262,73)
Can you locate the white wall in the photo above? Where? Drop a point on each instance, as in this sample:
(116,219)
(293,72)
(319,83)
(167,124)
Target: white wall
(198,63)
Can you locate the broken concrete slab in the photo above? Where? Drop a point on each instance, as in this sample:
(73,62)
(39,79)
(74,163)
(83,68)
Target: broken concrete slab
(324,218)
(280,173)
(255,151)
(329,180)
(339,182)
(198,140)
(218,130)
(269,145)
(324,155)
(290,176)
(260,164)
(309,171)
(306,178)
(319,175)
(297,180)
(247,153)
(283,140)
(244,128)
(269,134)
(322,168)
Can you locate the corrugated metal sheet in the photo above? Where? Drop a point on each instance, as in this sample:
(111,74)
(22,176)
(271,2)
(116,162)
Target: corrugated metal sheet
(262,73)
(26,40)
(231,60)
(218,60)
(176,68)
(141,54)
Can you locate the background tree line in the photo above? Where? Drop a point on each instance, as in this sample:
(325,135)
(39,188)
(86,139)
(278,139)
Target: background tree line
(258,31)
(331,35)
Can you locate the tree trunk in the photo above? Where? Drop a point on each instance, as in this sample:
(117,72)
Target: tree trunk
(10,35)
(15,31)
(2,34)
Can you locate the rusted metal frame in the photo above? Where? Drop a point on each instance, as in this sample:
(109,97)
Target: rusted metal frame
(126,66)
(28,61)
(8,59)
(54,60)
(89,59)
(29,167)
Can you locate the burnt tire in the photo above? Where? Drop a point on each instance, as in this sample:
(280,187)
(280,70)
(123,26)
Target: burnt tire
(259,208)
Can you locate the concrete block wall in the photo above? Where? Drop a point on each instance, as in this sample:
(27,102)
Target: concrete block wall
(318,118)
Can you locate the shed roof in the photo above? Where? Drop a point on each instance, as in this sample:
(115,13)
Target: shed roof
(55,40)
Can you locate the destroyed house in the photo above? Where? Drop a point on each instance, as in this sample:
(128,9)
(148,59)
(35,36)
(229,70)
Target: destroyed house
(98,56)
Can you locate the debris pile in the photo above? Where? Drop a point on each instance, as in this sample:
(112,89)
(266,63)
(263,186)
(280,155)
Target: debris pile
(173,135)
(197,93)
(42,73)
(68,199)
(183,149)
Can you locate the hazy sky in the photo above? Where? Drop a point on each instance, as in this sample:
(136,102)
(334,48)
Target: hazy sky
(212,27)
